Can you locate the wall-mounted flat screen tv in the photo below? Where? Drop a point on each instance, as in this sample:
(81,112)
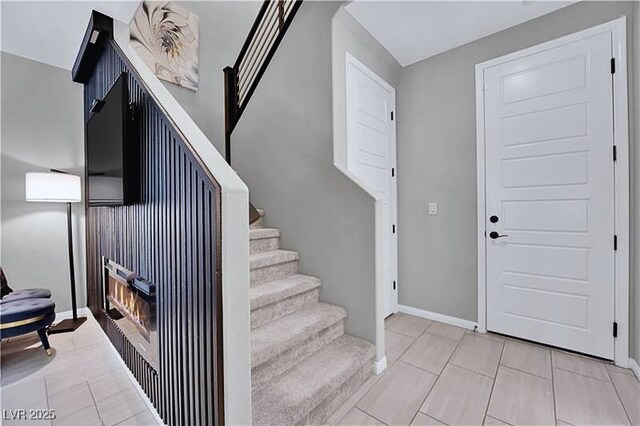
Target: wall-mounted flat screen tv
(112,149)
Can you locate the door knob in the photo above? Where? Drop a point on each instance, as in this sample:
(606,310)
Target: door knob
(494,235)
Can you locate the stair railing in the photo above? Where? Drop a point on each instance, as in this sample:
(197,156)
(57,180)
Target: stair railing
(241,79)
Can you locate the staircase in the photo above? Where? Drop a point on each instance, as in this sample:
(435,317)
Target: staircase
(303,365)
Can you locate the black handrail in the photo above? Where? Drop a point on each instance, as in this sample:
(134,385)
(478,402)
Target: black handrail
(241,79)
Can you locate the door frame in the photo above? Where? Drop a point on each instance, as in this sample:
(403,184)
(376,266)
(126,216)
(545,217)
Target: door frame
(350,60)
(618,30)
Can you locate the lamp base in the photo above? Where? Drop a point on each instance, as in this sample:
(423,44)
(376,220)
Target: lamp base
(67,325)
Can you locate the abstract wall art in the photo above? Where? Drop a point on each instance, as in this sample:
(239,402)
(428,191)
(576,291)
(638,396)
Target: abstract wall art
(166,37)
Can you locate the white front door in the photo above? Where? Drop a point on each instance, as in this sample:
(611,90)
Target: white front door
(371,153)
(550,196)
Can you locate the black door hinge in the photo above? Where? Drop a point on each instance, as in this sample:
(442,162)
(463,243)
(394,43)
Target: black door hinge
(393,229)
(615,153)
(615,242)
(394,285)
(615,329)
(613,65)
(391,115)
(393,171)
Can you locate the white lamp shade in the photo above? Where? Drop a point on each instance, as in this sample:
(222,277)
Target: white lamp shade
(52,187)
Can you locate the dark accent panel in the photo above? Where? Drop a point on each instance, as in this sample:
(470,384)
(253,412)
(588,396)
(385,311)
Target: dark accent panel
(172,238)
(90,50)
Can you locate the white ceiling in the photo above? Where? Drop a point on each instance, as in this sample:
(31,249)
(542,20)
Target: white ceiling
(51,31)
(415,30)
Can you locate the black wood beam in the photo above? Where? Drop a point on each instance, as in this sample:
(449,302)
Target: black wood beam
(99,30)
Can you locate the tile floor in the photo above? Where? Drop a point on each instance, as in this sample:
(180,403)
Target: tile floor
(83,381)
(439,374)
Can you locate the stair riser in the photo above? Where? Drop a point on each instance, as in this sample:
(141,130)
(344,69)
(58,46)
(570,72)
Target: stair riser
(264,245)
(273,272)
(327,407)
(283,307)
(269,370)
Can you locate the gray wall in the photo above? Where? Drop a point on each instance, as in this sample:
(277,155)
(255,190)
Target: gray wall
(42,128)
(437,161)
(635,188)
(223,27)
(283,150)
(349,36)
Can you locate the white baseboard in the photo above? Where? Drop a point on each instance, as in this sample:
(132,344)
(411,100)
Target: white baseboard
(87,312)
(633,365)
(434,316)
(82,312)
(380,366)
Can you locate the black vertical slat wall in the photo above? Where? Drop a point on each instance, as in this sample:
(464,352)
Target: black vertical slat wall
(171,237)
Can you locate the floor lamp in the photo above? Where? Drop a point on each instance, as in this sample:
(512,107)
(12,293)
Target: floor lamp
(59,187)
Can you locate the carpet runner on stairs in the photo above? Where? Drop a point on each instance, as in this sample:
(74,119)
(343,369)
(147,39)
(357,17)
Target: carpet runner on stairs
(303,365)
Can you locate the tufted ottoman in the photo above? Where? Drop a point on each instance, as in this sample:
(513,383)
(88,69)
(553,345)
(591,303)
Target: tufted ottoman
(32,293)
(25,316)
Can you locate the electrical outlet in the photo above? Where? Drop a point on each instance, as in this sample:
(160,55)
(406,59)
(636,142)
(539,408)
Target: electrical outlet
(433,208)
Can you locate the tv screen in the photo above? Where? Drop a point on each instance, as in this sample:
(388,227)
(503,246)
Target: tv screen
(112,148)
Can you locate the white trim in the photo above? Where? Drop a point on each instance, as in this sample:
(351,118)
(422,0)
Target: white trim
(236,329)
(380,366)
(82,312)
(633,365)
(380,363)
(621,140)
(434,316)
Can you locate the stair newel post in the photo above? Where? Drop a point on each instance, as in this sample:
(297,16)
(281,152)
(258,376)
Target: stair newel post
(230,107)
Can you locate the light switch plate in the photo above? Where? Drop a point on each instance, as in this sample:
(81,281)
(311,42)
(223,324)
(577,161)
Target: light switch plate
(433,208)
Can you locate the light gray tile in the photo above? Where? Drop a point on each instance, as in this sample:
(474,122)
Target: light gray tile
(423,419)
(489,336)
(446,330)
(86,417)
(390,320)
(120,406)
(396,397)
(459,397)
(581,365)
(430,352)
(529,358)
(522,398)
(142,419)
(395,345)
(478,354)
(409,325)
(109,384)
(615,368)
(629,391)
(358,417)
(24,394)
(584,400)
(71,400)
(490,421)
(353,399)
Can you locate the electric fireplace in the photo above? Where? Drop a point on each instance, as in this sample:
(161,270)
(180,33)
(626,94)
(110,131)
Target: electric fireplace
(130,301)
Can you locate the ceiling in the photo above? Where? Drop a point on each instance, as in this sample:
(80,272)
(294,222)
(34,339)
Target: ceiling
(51,32)
(415,30)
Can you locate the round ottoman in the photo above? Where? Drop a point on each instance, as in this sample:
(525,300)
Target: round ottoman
(25,316)
(32,293)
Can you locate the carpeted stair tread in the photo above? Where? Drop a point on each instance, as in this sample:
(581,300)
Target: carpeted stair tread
(289,398)
(261,233)
(270,258)
(276,337)
(273,291)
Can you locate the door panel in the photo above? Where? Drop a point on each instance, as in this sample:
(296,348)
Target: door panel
(549,179)
(371,155)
